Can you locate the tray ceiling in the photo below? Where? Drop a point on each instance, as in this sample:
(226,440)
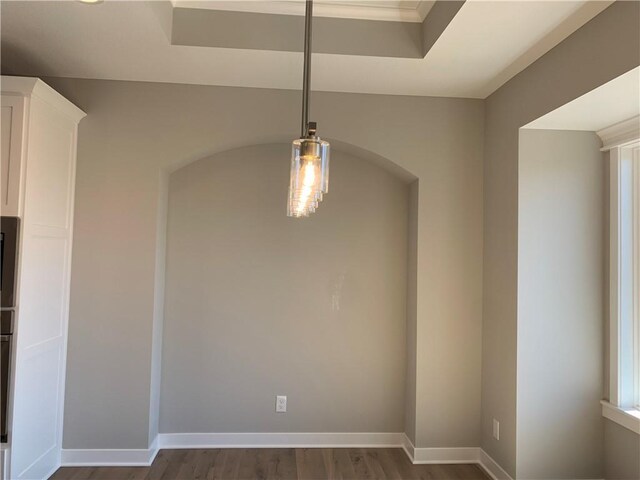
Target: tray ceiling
(466,52)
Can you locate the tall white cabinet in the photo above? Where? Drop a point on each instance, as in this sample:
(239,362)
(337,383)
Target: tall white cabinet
(39,136)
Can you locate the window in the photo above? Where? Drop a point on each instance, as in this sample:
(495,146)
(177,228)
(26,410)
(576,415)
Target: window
(623,143)
(624,299)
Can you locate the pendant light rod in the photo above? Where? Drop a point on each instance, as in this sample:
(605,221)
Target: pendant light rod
(309,174)
(306,80)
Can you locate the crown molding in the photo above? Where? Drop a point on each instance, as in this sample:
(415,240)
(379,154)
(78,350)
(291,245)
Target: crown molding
(412,13)
(424,7)
(34,87)
(620,134)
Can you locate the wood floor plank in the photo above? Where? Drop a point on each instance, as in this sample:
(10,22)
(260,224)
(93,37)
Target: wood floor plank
(254,465)
(204,460)
(389,467)
(406,469)
(188,464)
(232,461)
(171,472)
(83,473)
(121,473)
(63,474)
(329,466)
(340,466)
(434,472)
(217,469)
(372,457)
(310,463)
(282,464)
(278,464)
(469,472)
(72,473)
(158,467)
(357,456)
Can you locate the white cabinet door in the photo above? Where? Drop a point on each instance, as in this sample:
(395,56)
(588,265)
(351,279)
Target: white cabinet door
(11,149)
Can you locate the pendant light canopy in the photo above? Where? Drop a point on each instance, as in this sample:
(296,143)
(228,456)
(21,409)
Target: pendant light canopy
(309,178)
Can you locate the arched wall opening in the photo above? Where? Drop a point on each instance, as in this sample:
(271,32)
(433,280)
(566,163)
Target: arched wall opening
(258,304)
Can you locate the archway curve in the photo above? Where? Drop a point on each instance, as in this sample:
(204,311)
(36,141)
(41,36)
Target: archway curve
(336,145)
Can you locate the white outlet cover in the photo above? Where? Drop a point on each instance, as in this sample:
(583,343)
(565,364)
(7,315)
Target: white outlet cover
(496,429)
(281,404)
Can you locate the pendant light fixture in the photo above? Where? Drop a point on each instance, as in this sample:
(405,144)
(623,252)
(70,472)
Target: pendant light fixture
(309,179)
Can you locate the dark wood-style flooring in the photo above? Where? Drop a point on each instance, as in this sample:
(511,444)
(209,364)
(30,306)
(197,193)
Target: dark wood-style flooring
(281,464)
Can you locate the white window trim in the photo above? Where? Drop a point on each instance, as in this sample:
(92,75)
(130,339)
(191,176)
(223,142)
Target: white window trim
(623,407)
(627,417)
(636,271)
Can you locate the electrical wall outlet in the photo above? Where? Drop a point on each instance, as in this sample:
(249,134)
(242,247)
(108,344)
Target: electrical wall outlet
(496,429)
(281,403)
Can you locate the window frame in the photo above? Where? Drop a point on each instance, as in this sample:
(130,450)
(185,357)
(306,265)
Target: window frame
(623,143)
(636,273)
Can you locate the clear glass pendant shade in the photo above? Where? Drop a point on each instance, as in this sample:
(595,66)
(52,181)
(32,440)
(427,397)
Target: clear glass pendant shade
(309,175)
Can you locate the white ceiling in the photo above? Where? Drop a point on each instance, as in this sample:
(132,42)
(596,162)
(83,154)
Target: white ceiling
(611,103)
(486,44)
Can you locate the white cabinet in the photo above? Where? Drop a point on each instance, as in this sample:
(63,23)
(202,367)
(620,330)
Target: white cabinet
(39,136)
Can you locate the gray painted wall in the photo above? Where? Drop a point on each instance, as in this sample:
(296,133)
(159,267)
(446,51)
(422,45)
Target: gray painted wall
(621,452)
(259,304)
(560,305)
(601,50)
(136,130)
(259,31)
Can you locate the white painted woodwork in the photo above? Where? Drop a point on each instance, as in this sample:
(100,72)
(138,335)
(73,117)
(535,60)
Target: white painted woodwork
(45,195)
(11,149)
(627,132)
(621,140)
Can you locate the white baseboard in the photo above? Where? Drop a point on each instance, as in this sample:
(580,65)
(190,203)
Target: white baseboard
(144,457)
(408,447)
(455,455)
(439,455)
(279,440)
(110,457)
(42,467)
(445,455)
(491,466)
